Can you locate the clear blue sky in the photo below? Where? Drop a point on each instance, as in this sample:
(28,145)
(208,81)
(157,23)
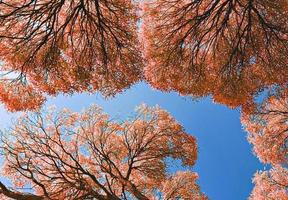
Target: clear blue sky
(225,164)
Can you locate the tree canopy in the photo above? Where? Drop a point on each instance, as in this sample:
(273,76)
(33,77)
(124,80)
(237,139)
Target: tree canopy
(230,49)
(67,155)
(267,129)
(270,184)
(67,46)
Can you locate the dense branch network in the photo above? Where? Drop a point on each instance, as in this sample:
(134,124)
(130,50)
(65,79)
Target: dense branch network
(66,155)
(66,46)
(231,49)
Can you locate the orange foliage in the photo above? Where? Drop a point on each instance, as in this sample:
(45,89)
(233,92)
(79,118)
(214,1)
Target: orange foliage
(68,46)
(66,155)
(180,185)
(270,184)
(268,130)
(229,49)
(17,96)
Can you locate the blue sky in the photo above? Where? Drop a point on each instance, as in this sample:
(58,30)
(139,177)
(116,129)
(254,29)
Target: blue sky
(225,162)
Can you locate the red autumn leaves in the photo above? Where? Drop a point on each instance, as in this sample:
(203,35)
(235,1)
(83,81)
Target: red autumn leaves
(231,50)
(66,47)
(67,155)
(268,132)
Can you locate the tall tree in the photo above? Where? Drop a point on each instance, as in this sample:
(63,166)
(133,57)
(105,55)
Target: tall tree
(267,128)
(230,49)
(66,46)
(66,155)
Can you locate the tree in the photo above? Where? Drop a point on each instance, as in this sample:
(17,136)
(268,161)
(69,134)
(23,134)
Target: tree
(270,184)
(66,155)
(230,49)
(267,130)
(48,47)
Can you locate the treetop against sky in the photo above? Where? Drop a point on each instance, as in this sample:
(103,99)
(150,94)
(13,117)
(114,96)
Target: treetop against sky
(234,51)
(68,155)
(230,49)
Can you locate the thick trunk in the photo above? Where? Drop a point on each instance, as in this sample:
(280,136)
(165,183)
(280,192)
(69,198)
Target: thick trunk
(17,195)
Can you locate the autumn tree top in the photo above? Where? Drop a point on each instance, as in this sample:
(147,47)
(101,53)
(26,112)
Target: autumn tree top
(67,46)
(68,155)
(230,49)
